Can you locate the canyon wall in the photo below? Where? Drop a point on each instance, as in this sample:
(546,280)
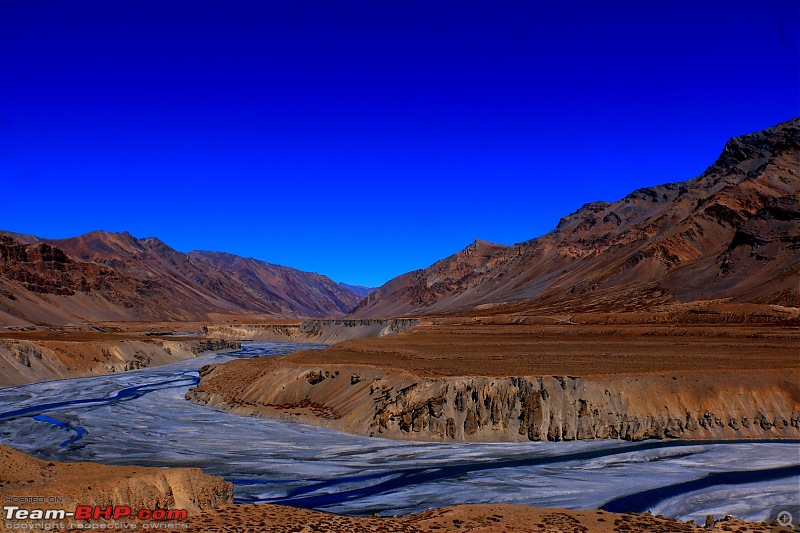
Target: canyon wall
(371,401)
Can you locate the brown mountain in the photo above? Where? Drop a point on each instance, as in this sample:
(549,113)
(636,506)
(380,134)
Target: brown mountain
(115,276)
(291,292)
(731,233)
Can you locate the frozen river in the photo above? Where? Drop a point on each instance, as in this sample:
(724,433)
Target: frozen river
(142,418)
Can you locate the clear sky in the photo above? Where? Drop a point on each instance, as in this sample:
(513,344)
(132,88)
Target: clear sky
(365,139)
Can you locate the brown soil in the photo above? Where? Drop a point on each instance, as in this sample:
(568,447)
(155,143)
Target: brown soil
(477,518)
(477,349)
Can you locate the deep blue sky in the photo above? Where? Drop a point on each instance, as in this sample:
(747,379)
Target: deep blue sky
(365,139)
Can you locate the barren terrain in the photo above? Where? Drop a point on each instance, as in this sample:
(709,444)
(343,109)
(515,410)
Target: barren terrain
(486,349)
(668,314)
(115,276)
(478,518)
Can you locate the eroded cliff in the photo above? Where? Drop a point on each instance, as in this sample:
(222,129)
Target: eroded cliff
(371,401)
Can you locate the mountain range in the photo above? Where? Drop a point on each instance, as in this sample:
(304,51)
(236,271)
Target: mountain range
(731,234)
(115,276)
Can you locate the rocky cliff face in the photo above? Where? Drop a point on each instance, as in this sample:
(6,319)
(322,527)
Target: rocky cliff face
(370,401)
(115,276)
(731,233)
(558,408)
(44,269)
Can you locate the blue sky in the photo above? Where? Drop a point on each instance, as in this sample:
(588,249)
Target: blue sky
(362,140)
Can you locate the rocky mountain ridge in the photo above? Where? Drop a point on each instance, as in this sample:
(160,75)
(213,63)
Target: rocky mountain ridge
(731,233)
(115,276)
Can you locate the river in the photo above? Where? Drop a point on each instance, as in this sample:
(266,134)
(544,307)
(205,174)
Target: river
(141,418)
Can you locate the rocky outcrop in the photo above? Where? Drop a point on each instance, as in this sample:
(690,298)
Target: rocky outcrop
(45,269)
(312,331)
(375,402)
(30,360)
(559,408)
(211,345)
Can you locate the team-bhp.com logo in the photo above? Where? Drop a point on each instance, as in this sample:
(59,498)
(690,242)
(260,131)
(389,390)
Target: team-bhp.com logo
(86,512)
(88,517)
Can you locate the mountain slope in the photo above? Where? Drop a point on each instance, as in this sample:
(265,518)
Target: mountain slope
(733,232)
(281,289)
(115,276)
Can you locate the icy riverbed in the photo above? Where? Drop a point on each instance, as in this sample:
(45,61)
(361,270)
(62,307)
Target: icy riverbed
(142,418)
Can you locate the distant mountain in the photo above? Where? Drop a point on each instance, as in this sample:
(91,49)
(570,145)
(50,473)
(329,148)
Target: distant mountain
(289,292)
(732,233)
(358,290)
(115,276)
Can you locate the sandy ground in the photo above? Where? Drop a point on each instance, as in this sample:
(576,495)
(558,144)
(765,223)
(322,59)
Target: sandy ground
(477,518)
(732,338)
